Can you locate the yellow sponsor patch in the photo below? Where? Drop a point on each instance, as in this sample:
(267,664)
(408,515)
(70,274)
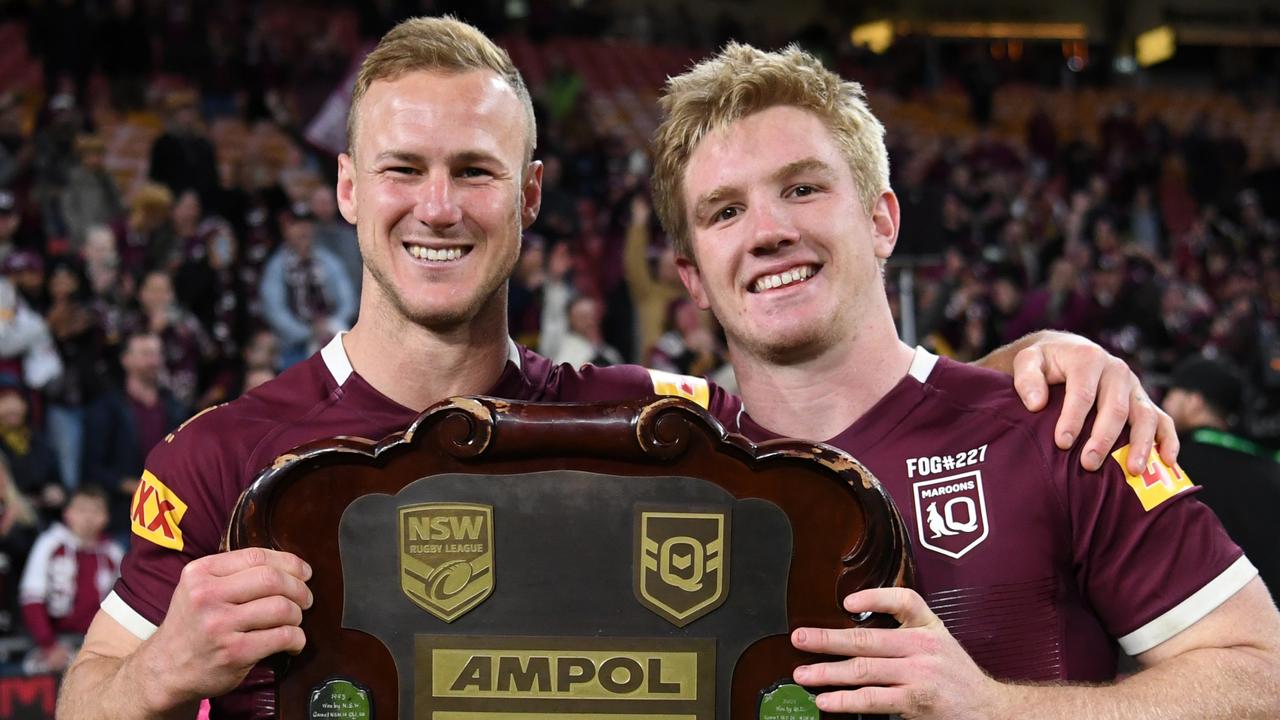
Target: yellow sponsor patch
(1157,483)
(156,512)
(685,386)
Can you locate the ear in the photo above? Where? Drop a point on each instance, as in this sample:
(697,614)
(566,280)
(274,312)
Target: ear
(884,224)
(347,187)
(531,194)
(692,279)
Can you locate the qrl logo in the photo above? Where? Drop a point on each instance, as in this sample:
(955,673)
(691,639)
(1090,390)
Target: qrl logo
(682,563)
(951,513)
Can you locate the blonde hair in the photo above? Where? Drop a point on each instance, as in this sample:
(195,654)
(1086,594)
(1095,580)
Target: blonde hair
(442,44)
(740,81)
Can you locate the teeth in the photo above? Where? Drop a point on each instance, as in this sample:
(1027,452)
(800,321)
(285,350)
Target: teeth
(444,255)
(787,277)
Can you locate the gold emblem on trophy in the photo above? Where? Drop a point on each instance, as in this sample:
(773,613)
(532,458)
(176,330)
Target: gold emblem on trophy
(682,563)
(446,556)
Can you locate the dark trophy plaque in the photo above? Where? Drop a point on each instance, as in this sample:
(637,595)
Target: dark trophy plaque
(534,561)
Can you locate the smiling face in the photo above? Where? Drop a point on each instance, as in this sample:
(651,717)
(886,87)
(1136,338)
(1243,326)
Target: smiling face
(784,251)
(439,191)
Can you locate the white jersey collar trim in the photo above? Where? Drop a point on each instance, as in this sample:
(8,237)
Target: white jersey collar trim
(119,610)
(339,365)
(335,358)
(922,364)
(1190,611)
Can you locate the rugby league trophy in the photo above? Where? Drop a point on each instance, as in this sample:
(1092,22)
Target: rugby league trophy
(533,561)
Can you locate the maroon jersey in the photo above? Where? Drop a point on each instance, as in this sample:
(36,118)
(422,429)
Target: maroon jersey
(1038,567)
(195,476)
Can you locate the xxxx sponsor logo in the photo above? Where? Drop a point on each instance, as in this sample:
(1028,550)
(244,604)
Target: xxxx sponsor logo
(951,513)
(1157,483)
(156,513)
(446,556)
(685,386)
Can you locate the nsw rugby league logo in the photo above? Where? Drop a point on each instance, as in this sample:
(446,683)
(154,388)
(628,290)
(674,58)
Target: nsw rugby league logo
(446,556)
(951,513)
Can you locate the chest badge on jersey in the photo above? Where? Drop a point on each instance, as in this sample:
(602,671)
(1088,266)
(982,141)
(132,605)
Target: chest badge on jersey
(951,513)
(446,556)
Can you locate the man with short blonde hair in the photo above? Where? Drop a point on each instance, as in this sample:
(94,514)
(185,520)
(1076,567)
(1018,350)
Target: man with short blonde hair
(770,176)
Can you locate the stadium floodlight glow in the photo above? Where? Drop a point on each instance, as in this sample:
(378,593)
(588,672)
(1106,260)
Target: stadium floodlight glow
(1000,30)
(1156,45)
(876,36)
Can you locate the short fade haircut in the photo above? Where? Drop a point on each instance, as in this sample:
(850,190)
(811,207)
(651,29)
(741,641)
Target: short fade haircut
(441,44)
(740,81)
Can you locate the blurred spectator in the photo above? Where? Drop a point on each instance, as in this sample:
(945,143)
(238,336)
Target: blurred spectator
(1240,480)
(17,532)
(148,236)
(25,269)
(1060,305)
(653,289)
(33,467)
(26,348)
(9,221)
(185,223)
(61,35)
(55,155)
(571,331)
(124,51)
(124,423)
(90,197)
(84,367)
(335,234)
(182,158)
(110,290)
(187,347)
(687,347)
(306,296)
(525,291)
(16,150)
(208,283)
(71,569)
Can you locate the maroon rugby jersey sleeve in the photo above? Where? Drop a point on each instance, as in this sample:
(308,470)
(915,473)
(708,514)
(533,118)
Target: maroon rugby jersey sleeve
(1151,558)
(179,513)
(617,383)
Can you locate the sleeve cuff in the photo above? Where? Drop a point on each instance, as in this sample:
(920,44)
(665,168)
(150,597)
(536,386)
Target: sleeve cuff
(1189,611)
(119,610)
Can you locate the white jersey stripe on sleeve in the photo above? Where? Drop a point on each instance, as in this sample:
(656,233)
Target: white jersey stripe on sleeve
(1189,611)
(119,610)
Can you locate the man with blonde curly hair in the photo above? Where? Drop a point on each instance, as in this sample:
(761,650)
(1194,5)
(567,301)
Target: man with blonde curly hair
(771,175)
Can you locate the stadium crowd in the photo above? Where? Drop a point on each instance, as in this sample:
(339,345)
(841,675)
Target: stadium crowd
(169,239)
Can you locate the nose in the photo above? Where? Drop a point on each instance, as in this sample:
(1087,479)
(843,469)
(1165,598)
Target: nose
(773,229)
(437,205)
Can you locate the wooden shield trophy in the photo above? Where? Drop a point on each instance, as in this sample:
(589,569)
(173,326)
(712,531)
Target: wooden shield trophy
(533,561)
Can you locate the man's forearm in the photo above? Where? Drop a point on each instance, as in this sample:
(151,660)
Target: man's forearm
(107,688)
(1204,684)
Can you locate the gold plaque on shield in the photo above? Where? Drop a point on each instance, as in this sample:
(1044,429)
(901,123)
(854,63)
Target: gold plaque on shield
(446,556)
(682,563)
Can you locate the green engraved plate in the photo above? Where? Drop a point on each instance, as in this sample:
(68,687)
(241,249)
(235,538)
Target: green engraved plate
(788,701)
(340,699)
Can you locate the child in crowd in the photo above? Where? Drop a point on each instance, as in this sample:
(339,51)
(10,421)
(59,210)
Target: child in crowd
(72,566)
